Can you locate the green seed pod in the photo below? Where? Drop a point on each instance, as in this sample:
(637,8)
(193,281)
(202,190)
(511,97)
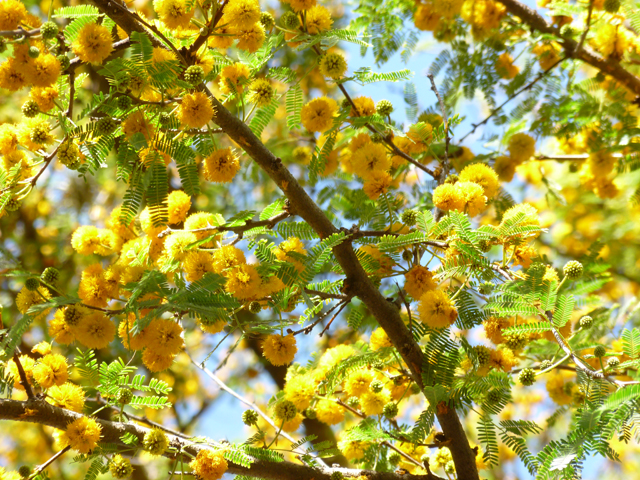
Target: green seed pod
(285,411)
(255,307)
(527,377)
(376,386)
(384,107)
(390,410)
(50,275)
(394,458)
(290,21)
(34,52)
(124,396)
(194,75)
(49,30)
(250,417)
(30,109)
(599,351)
(409,217)
(573,270)
(24,471)
(123,102)
(267,21)
(585,322)
(32,284)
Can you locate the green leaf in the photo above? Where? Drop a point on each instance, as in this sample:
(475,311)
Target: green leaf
(631,342)
(564,308)
(293,104)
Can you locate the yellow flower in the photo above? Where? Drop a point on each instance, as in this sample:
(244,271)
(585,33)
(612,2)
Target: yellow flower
(44,70)
(448,197)
(51,370)
(27,365)
(386,263)
(138,123)
(195,110)
(318,20)
(373,403)
(93,43)
(418,280)
(233,78)
(333,65)
(522,255)
(67,396)
(436,309)
(379,339)
(559,391)
(448,8)
(227,257)
(179,204)
(279,350)
(505,67)
(156,361)
(251,38)
(505,167)
(521,214)
(209,464)
(317,115)
(95,331)
(261,92)
(353,449)
(300,390)
(329,412)
(298,5)
(493,328)
(27,299)
(503,359)
(59,330)
(521,147)
(221,166)
(12,12)
(201,220)
(93,288)
(242,13)
(222,38)
(335,355)
(129,340)
(174,13)
(8,138)
(155,441)
(365,107)
(426,18)
(377,184)
(82,434)
(601,163)
(35,133)
(484,176)
(613,40)
(196,264)
(357,383)
(292,244)
(371,157)
(243,281)
(473,198)
(164,336)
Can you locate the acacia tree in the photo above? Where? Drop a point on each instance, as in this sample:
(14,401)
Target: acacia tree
(190,180)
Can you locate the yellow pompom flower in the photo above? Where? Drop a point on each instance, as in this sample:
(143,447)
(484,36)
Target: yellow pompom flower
(447,197)
(436,309)
(334,355)
(233,78)
(164,336)
(95,331)
(292,244)
(473,199)
(82,434)
(317,115)
(364,107)
(503,359)
(227,257)
(613,40)
(279,349)
(299,5)
(371,157)
(27,299)
(44,71)
(484,176)
(426,18)
(12,12)
(27,365)
(505,167)
(357,383)
(523,255)
(178,204)
(35,133)
(448,8)
(59,330)
(601,163)
(521,147)
(201,220)
(243,281)
(376,184)
(418,280)
(242,13)
(129,340)
(251,38)
(44,97)
(329,412)
(156,361)
(505,67)
(12,75)
(67,396)
(93,43)
(261,92)
(373,403)
(379,339)
(221,166)
(138,123)
(300,390)
(523,213)
(195,110)
(176,245)
(209,465)
(493,327)
(333,65)
(8,139)
(174,13)
(51,370)
(93,288)
(353,449)
(196,264)
(318,20)
(155,441)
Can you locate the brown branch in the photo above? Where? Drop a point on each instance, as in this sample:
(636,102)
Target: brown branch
(195,46)
(605,65)
(57,455)
(43,413)
(447,138)
(23,375)
(249,224)
(19,32)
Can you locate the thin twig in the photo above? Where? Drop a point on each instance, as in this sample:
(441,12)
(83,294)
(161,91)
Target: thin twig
(447,138)
(23,375)
(57,455)
(249,224)
(333,318)
(586,30)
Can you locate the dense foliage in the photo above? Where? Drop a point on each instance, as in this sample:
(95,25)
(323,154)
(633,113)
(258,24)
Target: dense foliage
(192,195)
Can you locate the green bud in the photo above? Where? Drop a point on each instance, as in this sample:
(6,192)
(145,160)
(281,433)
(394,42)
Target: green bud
(494,396)
(353,402)
(453,178)
(384,107)
(310,413)
(124,396)
(255,307)
(267,21)
(527,377)
(573,270)
(409,217)
(24,471)
(123,102)
(545,364)
(599,351)
(49,30)
(390,410)
(394,458)
(376,386)
(120,467)
(30,109)
(585,322)
(50,275)
(337,476)
(290,21)
(106,125)
(250,417)
(165,118)
(611,6)
(613,362)
(486,288)
(194,75)
(64,62)
(13,205)
(285,411)
(34,52)
(32,284)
